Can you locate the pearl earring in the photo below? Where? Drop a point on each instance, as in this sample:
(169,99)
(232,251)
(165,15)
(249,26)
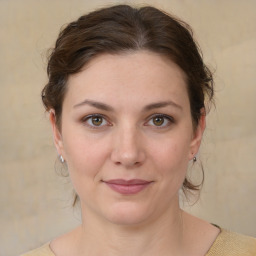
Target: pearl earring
(61,159)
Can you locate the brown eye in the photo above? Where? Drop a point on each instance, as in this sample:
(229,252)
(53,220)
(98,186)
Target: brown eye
(97,120)
(158,120)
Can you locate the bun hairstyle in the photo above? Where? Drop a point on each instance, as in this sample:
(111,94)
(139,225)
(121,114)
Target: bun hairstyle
(121,29)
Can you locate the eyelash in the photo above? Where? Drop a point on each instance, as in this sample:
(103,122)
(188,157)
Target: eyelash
(167,118)
(89,117)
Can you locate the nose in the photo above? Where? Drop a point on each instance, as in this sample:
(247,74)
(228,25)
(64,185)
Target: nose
(128,148)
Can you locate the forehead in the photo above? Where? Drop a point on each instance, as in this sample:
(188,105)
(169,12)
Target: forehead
(141,75)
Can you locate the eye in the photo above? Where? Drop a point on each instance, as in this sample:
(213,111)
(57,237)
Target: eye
(95,121)
(160,121)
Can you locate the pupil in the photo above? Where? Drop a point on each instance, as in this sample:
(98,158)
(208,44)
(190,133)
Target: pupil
(158,121)
(97,121)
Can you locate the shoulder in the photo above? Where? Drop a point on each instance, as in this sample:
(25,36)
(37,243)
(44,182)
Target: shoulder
(45,250)
(232,244)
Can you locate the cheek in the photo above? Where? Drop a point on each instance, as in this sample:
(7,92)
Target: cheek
(85,154)
(85,160)
(171,157)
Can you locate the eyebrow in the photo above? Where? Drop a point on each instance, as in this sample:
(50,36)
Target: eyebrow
(95,104)
(161,105)
(106,107)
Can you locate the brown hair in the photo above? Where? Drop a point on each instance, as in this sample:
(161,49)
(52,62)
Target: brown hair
(119,29)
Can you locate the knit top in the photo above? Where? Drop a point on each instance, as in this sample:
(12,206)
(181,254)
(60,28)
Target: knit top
(227,243)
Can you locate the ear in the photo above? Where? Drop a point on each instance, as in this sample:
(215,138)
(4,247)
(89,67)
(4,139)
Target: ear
(198,135)
(56,133)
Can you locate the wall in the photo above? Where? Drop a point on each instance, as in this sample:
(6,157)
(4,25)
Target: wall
(35,201)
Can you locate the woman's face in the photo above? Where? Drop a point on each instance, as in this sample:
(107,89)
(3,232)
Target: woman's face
(127,136)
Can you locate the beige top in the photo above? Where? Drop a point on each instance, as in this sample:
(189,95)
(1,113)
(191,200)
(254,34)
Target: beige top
(226,244)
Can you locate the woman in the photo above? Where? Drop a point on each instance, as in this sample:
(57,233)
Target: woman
(127,96)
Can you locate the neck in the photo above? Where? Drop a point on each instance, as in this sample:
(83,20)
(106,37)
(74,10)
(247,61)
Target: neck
(160,236)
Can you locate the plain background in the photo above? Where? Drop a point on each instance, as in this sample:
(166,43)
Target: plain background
(35,203)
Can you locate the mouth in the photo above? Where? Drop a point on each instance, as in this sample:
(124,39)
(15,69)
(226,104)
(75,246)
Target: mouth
(127,187)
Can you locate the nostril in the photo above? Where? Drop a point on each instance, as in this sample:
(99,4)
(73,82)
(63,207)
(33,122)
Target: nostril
(127,153)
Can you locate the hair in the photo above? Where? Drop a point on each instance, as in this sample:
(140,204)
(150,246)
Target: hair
(122,29)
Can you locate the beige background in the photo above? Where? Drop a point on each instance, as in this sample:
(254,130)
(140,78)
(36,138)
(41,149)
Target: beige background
(35,201)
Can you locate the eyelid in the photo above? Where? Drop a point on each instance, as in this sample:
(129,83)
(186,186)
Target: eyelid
(169,118)
(163,115)
(86,118)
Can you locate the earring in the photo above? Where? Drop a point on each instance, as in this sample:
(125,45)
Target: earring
(194,159)
(61,159)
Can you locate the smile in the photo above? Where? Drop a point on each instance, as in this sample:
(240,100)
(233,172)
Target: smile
(127,187)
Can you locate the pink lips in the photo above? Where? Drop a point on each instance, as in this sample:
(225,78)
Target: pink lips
(127,187)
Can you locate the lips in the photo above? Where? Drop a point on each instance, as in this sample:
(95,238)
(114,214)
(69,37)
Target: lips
(127,187)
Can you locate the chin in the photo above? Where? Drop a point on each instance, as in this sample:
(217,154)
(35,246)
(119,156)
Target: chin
(130,214)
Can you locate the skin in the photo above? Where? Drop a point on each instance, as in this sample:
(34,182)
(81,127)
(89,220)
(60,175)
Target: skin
(141,128)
